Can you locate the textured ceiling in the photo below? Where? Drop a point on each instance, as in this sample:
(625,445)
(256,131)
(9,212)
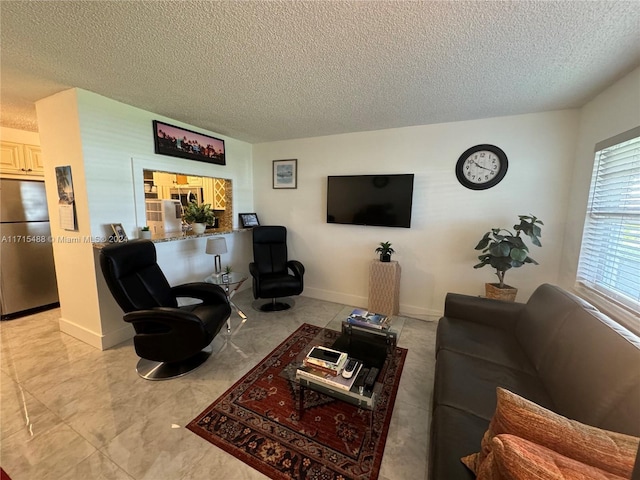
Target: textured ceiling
(262,71)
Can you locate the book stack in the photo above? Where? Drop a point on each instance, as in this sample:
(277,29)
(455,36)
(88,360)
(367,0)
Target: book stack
(327,366)
(366,319)
(310,372)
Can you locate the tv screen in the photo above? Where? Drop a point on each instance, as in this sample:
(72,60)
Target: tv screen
(377,200)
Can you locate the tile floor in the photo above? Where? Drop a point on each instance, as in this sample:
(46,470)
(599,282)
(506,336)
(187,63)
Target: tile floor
(71,412)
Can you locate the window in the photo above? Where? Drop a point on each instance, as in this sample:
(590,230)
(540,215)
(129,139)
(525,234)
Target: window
(610,255)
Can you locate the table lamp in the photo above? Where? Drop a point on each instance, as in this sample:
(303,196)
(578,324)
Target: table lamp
(216,246)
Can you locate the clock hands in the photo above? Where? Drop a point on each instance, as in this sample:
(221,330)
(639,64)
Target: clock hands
(478,165)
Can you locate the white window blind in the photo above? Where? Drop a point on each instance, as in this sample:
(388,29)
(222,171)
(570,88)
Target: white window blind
(610,254)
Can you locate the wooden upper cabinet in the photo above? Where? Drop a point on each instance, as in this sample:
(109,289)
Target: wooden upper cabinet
(33,159)
(20,159)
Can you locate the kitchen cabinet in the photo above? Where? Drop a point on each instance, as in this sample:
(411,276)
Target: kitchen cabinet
(214,193)
(194,181)
(163,179)
(164,182)
(219,194)
(18,159)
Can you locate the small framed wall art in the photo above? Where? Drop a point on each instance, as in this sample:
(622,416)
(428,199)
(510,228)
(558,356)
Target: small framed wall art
(118,233)
(248,220)
(285,173)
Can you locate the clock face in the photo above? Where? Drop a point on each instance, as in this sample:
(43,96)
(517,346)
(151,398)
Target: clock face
(481,167)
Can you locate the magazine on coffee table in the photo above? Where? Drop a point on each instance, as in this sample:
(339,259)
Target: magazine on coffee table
(366,319)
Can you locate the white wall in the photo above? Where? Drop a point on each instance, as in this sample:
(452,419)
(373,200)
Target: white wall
(61,145)
(437,253)
(108,144)
(613,111)
(19,136)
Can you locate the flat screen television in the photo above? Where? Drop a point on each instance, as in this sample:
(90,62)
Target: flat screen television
(377,200)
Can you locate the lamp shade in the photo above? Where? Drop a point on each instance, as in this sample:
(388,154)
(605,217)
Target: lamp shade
(216,246)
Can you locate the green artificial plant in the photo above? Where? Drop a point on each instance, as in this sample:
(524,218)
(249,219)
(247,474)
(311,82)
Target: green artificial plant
(502,249)
(194,213)
(385,251)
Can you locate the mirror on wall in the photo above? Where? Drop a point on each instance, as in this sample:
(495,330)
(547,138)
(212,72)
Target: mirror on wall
(166,217)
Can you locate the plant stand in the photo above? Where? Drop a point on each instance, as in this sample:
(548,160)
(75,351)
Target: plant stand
(508,293)
(384,287)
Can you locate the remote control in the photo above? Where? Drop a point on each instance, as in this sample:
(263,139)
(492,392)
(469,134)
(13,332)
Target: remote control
(371,377)
(352,364)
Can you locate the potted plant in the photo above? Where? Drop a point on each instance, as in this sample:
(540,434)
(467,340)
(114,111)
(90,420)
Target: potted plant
(385,251)
(199,216)
(145,232)
(503,250)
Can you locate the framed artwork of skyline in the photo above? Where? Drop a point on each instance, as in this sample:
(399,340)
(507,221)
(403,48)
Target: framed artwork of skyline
(180,142)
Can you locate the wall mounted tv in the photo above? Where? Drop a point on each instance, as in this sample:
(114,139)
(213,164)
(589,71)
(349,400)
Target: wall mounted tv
(377,200)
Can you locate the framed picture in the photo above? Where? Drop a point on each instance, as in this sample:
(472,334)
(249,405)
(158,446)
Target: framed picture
(66,199)
(248,220)
(183,143)
(118,233)
(285,173)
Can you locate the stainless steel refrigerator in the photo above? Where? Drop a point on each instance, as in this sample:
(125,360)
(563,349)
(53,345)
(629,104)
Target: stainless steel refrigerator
(27,272)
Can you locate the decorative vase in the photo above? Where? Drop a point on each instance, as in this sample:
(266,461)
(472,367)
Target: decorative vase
(385,257)
(198,228)
(507,293)
(145,234)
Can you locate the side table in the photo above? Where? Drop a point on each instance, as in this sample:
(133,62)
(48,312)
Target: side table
(384,287)
(226,281)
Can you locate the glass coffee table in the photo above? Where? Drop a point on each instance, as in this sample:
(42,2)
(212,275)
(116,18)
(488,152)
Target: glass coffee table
(370,347)
(230,282)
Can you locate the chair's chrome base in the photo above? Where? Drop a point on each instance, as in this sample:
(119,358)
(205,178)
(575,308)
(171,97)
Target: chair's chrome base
(273,305)
(151,370)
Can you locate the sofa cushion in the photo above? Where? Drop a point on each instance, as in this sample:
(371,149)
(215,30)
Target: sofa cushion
(609,451)
(469,384)
(495,313)
(514,457)
(479,340)
(454,434)
(545,312)
(592,370)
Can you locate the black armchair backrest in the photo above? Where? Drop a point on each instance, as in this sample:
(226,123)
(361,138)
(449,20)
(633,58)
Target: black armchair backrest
(134,277)
(270,249)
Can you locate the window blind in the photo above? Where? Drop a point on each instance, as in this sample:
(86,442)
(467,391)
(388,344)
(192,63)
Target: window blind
(610,254)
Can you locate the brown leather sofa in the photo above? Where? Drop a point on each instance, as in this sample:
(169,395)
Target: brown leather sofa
(555,350)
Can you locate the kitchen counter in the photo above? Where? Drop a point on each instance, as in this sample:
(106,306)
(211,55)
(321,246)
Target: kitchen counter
(172,237)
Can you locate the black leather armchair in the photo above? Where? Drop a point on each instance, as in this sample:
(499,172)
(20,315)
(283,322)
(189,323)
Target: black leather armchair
(170,340)
(274,275)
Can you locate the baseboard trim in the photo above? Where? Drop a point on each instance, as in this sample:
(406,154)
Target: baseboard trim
(81,333)
(117,336)
(97,340)
(359,301)
(335,297)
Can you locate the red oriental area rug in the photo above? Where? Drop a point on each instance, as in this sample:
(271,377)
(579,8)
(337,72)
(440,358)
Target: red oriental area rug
(257,419)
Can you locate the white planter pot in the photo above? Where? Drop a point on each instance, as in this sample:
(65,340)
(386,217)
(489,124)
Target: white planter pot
(198,228)
(145,234)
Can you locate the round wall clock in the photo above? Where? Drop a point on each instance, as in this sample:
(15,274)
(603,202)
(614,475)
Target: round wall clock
(481,167)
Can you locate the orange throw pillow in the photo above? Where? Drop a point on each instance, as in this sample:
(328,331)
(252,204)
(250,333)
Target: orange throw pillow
(609,451)
(514,458)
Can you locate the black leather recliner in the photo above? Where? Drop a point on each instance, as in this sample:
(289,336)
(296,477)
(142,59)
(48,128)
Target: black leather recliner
(170,340)
(271,268)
